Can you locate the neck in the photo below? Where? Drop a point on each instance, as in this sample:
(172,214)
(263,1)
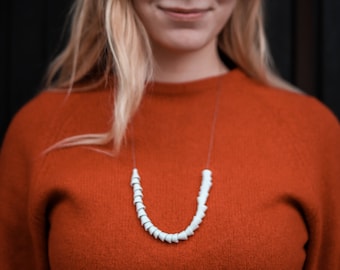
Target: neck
(181,66)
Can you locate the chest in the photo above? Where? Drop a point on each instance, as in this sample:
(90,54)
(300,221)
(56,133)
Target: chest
(250,222)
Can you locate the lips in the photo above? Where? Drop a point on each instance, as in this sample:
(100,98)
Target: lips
(184,10)
(185,14)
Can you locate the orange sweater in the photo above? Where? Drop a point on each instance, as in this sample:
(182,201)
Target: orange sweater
(274,203)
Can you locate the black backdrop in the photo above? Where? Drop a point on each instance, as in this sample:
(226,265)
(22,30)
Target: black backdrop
(304,37)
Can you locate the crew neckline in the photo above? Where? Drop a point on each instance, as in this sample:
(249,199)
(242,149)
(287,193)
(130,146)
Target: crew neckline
(176,88)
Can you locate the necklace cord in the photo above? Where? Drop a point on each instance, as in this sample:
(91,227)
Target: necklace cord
(214,121)
(201,199)
(133,147)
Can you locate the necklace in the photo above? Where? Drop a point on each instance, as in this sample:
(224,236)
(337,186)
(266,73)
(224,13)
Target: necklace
(201,199)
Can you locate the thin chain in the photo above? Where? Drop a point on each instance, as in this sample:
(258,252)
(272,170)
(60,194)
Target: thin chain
(214,121)
(133,147)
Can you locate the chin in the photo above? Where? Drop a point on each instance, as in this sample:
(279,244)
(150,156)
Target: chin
(183,42)
(178,47)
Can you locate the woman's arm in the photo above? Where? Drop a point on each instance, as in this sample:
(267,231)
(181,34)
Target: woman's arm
(16,248)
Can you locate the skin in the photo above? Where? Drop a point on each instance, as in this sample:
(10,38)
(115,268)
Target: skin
(184,35)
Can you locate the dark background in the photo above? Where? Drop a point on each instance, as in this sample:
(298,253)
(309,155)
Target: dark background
(304,37)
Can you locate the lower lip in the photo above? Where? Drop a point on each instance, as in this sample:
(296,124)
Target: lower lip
(179,16)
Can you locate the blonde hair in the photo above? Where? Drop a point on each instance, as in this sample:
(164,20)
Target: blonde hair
(109,34)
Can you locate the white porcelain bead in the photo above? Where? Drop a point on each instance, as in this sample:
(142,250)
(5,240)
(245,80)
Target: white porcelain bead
(147,225)
(134,181)
(200,213)
(201,201)
(144,219)
(137,187)
(203,208)
(193,227)
(138,193)
(156,233)
(174,238)
(135,173)
(141,213)
(183,236)
(162,236)
(197,220)
(168,238)
(203,195)
(152,229)
(206,173)
(137,200)
(189,231)
(140,206)
(195,223)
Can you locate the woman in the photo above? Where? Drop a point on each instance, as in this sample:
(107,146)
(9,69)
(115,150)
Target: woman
(179,106)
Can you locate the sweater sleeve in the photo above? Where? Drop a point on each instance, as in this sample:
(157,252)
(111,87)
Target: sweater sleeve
(16,250)
(323,161)
(22,246)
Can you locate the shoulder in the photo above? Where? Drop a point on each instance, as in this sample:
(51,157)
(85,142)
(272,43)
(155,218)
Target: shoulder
(300,120)
(51,116)
(57,102)
(294,109)
(39,109)
(33,120)
(305,129)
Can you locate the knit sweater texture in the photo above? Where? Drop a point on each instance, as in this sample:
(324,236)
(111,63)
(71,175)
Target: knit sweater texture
(274,203)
